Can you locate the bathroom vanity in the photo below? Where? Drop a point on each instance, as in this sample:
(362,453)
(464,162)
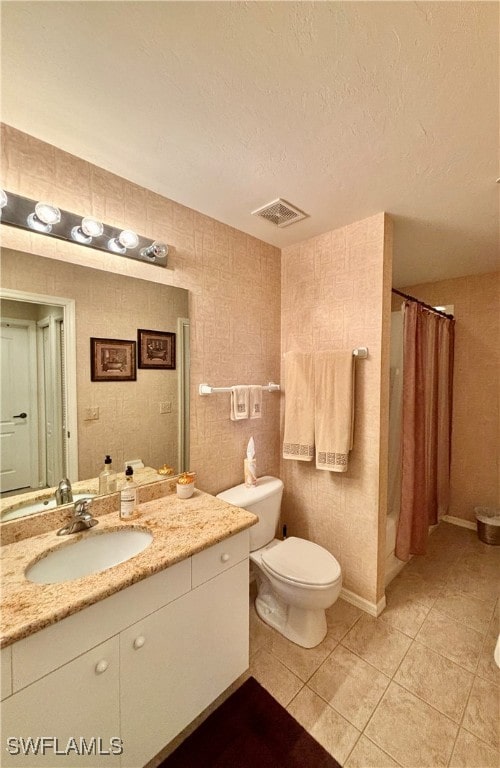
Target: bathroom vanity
(128,657)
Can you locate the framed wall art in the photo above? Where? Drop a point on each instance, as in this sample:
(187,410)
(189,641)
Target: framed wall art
(156,349)
(112,360)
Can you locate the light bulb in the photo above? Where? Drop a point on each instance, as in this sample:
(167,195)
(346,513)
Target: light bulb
(44,217)
(88,229)
(92,227)
(128,239)
(156,250)
(49,214)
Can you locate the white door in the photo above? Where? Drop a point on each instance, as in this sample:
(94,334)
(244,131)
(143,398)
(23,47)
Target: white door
(15,419)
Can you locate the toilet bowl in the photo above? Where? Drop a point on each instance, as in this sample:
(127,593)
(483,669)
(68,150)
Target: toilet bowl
(297,580)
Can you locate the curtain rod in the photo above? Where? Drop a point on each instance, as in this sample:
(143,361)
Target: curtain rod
(423,304)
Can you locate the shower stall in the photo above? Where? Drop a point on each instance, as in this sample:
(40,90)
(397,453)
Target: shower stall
(420,407)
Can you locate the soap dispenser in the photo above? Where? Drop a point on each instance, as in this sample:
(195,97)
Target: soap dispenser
(128,495)
(107,478)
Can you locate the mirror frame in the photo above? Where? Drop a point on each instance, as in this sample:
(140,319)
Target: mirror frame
(69,313)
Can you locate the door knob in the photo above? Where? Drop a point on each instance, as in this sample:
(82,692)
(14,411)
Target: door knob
(20,415)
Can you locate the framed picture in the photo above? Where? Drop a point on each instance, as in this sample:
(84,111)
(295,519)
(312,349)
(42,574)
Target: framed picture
(112,360)
(156,349)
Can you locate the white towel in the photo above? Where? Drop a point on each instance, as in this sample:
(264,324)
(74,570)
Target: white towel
(334,412)
(298,440)
(255,401)
(240,403)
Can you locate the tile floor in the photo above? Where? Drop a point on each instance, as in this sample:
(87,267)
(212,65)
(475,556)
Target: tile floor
(416,687)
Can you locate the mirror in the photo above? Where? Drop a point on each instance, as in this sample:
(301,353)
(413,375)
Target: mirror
(56,422)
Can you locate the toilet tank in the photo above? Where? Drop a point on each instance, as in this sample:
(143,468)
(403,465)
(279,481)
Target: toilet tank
(264,500)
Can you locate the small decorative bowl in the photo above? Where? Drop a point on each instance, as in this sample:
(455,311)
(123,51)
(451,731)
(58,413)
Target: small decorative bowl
(185,485)
(185,491)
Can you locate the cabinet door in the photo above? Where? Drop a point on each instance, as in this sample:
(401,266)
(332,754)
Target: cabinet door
(178,660)
(77,701)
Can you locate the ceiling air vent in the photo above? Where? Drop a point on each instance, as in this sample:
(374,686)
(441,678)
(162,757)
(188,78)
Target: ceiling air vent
(280,212)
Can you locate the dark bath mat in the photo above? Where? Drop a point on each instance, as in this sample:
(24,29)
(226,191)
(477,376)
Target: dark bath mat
(250,730)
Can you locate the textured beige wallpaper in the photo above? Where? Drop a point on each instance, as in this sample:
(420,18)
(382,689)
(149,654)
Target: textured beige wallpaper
(475,448)
(336,295)
(234,300)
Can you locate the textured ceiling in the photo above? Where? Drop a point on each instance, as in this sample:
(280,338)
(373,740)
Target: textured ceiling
(344,109)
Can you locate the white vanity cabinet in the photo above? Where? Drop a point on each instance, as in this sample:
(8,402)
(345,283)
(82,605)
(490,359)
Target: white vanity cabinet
(177,661)
(78,700)
(138,666)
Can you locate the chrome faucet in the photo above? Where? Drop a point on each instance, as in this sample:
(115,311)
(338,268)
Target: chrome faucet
(82,518)
(64,494)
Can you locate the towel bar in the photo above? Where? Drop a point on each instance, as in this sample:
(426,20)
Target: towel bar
(206,389)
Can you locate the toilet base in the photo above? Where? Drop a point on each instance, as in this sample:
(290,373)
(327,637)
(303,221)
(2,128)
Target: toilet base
(306,628)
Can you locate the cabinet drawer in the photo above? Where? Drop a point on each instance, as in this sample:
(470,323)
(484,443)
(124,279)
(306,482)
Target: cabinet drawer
(39,654)
(6,671)
(214,560)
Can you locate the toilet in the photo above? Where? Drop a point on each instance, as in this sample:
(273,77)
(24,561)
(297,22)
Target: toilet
(296,579)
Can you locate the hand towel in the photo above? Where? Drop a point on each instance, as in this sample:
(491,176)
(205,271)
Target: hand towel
(298,441)
(239,403)
(255,401)
(334,414)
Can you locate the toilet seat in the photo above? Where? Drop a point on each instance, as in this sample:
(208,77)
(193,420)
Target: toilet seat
(301,562)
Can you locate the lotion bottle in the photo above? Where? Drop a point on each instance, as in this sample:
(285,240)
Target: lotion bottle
(107,478)
(128,496)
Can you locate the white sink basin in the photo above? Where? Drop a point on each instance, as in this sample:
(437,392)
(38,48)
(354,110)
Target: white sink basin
(88,555)
(39,506)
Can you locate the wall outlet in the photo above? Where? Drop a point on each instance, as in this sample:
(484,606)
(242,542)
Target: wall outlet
(166,407)
(92,414)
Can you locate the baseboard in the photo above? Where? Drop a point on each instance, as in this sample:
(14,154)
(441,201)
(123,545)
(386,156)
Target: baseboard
(459,521)
(374,609)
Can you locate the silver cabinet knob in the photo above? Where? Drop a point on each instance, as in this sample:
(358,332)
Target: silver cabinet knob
(224,557)
(101,666)
(139,642)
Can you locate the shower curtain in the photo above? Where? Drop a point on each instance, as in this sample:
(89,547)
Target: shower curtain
(426,434)
(395,418)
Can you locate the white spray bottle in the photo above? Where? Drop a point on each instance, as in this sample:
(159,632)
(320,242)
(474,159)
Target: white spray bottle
(250,465)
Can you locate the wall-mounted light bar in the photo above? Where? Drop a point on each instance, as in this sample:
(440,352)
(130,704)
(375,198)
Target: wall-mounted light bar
(46,219)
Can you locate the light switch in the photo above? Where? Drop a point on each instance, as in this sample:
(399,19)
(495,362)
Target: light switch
(92,414)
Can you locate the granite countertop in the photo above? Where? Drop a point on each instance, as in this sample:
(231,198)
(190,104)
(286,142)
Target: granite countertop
(180,528)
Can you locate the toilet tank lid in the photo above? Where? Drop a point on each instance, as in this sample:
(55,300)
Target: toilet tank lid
(241,496)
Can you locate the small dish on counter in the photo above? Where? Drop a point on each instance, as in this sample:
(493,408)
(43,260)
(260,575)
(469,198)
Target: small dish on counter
(185,485)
